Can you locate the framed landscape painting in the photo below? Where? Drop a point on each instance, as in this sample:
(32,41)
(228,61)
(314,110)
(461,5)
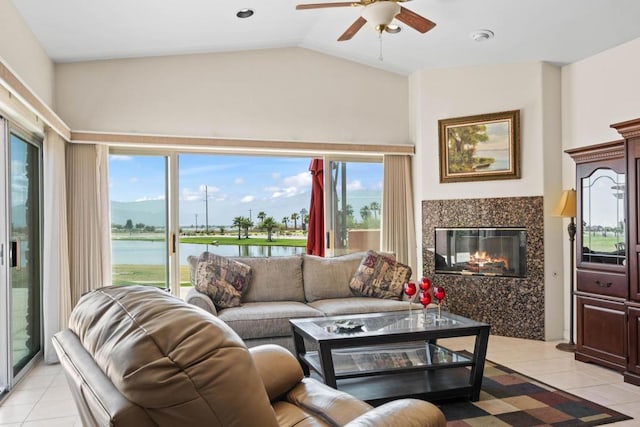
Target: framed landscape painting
(479,148)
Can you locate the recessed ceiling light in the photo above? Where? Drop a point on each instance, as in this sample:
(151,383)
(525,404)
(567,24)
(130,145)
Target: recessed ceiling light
(481,35)
(244,13)
(393,28)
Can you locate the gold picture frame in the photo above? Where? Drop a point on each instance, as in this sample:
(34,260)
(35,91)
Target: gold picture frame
(480,148)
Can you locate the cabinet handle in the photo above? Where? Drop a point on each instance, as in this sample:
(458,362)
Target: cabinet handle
(604,285)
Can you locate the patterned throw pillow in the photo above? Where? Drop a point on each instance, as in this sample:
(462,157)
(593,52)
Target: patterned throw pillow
(223,279)
(380,276)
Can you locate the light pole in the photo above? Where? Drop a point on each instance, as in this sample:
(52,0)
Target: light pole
(206,209)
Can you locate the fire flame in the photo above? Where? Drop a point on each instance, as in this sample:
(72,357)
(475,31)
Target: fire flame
(482,258)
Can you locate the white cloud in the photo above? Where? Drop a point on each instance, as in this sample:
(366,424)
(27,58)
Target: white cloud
(191,194)
(355,185)
(238,181)
(134,179)
(120,158)
(145,198)
(292,186)
(210,189)
(303,179)
(248,199)
(276,175)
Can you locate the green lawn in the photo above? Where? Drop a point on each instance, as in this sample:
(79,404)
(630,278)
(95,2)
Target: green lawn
(251,241)
(599,243)
(130,274)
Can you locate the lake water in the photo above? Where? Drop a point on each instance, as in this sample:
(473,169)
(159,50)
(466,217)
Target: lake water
(153,253)
(501,159)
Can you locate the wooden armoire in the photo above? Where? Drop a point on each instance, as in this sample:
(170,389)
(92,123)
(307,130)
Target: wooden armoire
(608,252)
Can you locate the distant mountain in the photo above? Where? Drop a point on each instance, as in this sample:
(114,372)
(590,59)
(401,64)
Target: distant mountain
(151,212)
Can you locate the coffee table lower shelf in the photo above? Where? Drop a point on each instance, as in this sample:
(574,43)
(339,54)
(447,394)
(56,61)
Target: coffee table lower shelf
(431,385)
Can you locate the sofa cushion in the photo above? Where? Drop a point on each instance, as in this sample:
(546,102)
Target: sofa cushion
(329,277)
(380,276)
(274,279)
(265,319)
(359,305)
(222,278)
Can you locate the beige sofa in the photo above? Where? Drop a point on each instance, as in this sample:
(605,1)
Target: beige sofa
(137,356)
(283,288)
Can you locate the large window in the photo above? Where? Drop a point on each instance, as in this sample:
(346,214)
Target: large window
(354,205)
(231,205)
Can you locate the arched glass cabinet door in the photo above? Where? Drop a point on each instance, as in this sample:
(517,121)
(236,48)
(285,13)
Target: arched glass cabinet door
(603,218)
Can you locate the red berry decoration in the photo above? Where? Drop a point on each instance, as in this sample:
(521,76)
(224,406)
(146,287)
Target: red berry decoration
(425,298)
(439,293)
(425,284)
(410,289)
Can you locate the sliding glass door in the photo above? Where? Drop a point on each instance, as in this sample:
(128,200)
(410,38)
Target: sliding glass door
(140,239)
(353,191)
(20,252)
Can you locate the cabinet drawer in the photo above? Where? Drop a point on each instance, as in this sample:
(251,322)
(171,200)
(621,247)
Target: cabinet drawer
(602,283)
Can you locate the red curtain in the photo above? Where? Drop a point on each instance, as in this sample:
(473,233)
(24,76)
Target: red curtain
(315,236)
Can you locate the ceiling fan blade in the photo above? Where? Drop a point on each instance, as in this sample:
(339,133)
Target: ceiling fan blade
(414,20)
(353,29)
(325,5)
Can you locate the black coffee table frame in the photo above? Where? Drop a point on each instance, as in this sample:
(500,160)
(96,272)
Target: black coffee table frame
(445,374)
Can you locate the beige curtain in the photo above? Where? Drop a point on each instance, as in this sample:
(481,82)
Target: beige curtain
(398,225)
(56,290)
(88,218)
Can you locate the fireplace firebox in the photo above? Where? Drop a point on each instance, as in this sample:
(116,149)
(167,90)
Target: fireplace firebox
(481,251)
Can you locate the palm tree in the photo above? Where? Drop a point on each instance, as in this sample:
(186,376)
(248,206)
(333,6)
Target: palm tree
(303,214)
(221,228)
(246,224)
(262,215)
(349,210)
(237,222)
(294,217)
(365,212)
(269,224)
(285,221)
(375,208)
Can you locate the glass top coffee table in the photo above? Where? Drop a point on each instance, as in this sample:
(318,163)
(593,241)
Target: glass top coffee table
(383,356)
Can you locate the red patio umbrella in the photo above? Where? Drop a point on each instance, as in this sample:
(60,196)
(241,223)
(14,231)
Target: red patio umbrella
(315,236)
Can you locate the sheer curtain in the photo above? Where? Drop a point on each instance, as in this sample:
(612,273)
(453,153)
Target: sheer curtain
(398,224)
(55,270)
(88,218)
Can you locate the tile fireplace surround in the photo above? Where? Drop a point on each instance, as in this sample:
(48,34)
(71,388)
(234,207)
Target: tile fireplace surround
(514,307)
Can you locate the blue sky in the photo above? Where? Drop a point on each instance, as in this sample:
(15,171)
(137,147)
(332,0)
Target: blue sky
(235,184)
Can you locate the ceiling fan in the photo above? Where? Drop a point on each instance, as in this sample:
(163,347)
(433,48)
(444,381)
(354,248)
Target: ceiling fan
(379,13)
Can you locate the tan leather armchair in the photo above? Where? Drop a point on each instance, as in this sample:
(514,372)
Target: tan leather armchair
(136,356)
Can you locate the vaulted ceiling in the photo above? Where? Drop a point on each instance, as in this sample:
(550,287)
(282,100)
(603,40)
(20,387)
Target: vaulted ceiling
(557,31)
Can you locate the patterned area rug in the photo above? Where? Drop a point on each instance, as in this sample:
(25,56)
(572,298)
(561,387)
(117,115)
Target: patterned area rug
(509,398)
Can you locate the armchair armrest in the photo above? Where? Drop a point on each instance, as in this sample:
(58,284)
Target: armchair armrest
(401,413)
(201,300)
(279,370)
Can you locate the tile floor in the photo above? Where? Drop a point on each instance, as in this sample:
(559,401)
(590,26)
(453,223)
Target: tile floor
(43,398)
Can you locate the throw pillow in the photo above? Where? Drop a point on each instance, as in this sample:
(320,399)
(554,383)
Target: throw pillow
(380,276)
(223,279)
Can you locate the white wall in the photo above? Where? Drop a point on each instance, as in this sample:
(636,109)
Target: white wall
(532,88)
(21,51)
(277,94)
(597,92)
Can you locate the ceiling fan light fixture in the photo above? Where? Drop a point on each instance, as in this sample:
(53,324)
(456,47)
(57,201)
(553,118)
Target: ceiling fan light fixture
(380,14)
(244,13)
(481,35)
(393,29)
